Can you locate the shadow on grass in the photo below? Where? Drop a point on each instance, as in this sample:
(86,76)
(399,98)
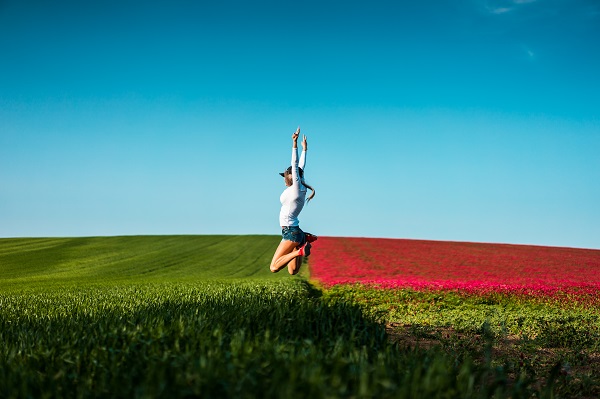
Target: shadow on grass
(229,340)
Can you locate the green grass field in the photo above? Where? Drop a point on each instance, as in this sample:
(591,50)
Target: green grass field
(134,259)
(202,316)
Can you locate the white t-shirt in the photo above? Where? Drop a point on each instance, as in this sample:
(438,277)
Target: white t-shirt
(292,199)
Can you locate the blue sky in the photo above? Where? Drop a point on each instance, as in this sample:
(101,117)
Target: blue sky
(460,120)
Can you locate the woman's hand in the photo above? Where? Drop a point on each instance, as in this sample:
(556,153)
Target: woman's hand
(295,138)
(304,143)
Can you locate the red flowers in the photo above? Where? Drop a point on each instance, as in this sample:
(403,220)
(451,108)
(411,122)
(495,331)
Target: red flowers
(476,267)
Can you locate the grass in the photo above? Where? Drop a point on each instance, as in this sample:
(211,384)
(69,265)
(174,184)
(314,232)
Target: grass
(134,258)
(202,316)
(520,334)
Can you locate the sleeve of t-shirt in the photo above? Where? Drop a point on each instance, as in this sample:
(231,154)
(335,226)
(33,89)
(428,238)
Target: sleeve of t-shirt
(295,173)
(302,163)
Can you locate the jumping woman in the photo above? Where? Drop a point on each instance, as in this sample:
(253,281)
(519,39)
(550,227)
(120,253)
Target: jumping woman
(295,244)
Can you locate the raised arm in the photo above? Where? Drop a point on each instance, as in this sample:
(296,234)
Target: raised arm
(295,173)
(302,163)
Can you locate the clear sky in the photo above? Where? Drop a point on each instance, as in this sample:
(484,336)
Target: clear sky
(462,120)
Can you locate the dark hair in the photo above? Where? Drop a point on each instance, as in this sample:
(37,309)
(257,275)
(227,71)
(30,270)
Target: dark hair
(313,191)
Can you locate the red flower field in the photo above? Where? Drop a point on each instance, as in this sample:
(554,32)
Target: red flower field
(472,267)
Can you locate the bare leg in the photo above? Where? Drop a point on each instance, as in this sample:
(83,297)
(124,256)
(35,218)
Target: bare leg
(285,253)
(294,265)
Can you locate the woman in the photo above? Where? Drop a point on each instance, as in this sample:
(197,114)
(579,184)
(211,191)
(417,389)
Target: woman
(295,244)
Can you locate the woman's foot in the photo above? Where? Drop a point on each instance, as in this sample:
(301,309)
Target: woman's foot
(310,237)
(305,249)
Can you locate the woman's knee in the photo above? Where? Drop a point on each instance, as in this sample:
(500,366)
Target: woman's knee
(273,267)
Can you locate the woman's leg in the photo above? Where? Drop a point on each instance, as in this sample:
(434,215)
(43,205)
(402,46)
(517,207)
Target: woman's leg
(294,265)
(285,253)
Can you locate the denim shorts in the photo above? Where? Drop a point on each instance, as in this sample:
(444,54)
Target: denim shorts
(293,233)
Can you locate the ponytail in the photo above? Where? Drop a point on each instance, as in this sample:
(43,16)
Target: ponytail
(309,187)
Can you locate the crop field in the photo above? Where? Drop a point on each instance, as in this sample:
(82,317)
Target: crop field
(540,306)
(202,316)
(471,267)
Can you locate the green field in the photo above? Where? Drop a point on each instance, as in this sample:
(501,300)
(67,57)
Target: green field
(202,316)
(134,258)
